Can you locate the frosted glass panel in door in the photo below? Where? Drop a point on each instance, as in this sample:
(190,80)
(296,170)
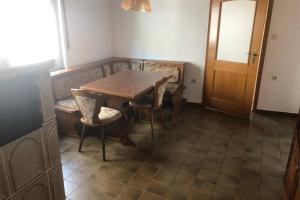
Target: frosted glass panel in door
(236,27)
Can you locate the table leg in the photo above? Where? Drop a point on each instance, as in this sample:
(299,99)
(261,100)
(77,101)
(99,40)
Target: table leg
(116,103)
(125,139)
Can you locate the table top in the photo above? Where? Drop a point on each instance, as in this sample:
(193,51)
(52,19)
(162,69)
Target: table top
(128,84)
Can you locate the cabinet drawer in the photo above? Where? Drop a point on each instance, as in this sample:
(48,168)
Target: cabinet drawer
(24,159)
(51,143)
(57,183)
(4,190)
(37,190)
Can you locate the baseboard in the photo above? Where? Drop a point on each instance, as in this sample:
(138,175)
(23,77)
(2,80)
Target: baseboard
(276,113)
(185,102)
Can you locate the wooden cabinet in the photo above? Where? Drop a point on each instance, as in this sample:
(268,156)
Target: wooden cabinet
(4,191)
(30,167)
(51,143)
(291,180)
(39,189)
(24,159)
(56,183)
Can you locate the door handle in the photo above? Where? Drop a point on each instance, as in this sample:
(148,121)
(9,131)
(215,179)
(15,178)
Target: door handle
(254,56)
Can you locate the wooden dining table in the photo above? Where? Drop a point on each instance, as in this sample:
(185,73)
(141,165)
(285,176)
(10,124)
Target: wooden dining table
(128,84)
(123,87)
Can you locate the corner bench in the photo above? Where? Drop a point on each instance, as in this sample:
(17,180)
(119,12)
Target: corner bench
(67,112)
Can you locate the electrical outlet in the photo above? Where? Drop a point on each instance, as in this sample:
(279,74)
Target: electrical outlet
(274,36)
(274,78)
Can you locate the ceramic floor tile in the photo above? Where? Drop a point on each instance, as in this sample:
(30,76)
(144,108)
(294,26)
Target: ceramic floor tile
(177,193)
(183,181)
(165,176)
(129,193)
(78,176)
(203,187)
(147,170)
(223,193)
(197,196)
(230,170)
(70,187)
(140,182)
(209,176)
(111,188)
(201,155)
(157,188)
(150,196)
(228,181)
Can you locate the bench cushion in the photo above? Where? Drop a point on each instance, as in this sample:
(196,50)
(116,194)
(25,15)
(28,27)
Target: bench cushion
(69,105)
(106,70)
(165,69)
(168,71)
(108,115)
(120,66)
(62,86)
(136,65)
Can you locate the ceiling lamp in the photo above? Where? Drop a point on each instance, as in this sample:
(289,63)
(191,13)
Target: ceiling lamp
(137,5)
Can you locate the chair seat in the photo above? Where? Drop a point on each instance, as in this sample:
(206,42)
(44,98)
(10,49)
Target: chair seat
(144,102)
(171,88)
(69,104)
(108,115)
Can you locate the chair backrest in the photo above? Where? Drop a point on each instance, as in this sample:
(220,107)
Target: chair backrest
(89,104)
(159,91)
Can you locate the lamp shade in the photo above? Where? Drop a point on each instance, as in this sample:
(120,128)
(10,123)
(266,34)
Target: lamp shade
(137,5)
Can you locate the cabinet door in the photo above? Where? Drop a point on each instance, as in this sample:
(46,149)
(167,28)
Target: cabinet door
(4,191)
(57,183)
(24,159)
(38,190)
(51,143)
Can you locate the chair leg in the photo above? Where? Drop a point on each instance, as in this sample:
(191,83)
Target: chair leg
(177,101)
(162,118)
(133,118)
(140,113)
(103,143)
(82,138)
(152,122)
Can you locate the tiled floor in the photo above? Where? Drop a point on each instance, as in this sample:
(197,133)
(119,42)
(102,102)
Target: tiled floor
(203,155)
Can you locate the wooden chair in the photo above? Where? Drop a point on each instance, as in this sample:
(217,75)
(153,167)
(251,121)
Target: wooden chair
(94,114)
(152,103)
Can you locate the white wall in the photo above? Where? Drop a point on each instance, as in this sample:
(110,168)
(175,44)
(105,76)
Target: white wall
(282,60)
(174,30)
(177,30)
(89,29)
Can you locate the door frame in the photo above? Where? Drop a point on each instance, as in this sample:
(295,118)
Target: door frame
(262,56)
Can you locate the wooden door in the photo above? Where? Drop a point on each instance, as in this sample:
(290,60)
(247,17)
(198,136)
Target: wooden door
(235,38)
